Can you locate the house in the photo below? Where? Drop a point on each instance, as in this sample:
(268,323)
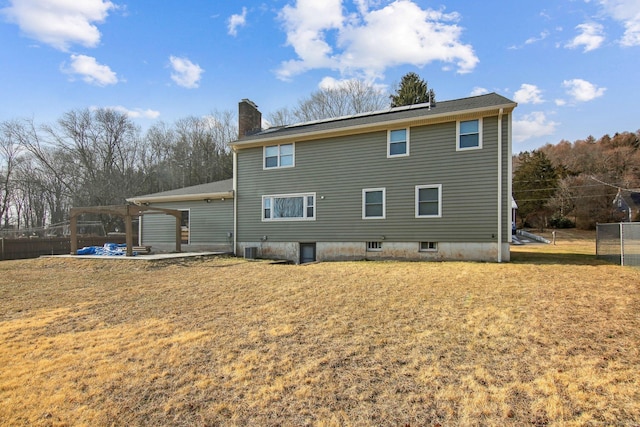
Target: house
(628,204)
(418,182)
(207,218)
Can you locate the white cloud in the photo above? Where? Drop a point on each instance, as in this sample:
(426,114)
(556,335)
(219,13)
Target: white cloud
(91,71)
(582,90)
(479,91)
(331,83)
(590,37)
(533,125)
(60,23)
(628,13)
(543,35)
(185,73)
(560,102)
(137,113)
(236,21)
(368,41)
(528,94)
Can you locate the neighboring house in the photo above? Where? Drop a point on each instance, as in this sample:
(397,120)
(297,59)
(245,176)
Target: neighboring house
(207,218)
(415,182)
(628,203)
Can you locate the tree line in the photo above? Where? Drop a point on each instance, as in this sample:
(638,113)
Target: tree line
(574,184)
(98,157)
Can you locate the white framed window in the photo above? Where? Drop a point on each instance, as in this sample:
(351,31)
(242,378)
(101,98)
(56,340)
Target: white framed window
(429,201)
(374,246)
(398,143)
(428,246)
(279,156)
(373,203)
(469,135)
(289,207)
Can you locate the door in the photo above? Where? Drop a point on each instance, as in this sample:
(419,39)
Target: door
(307,252)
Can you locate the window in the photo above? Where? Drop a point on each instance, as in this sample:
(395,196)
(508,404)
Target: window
(374,246)
(428,246)
(373,201)
(184,227)
(398,143)
(289,207)
(469,135)
(278,156)
(428,201)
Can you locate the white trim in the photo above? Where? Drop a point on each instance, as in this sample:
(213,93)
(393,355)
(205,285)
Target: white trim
(500,185)
(283,196)
(417,200)
(279,156)
(458,148)
(384,203)
(182,198)
(235,203)
(407,142)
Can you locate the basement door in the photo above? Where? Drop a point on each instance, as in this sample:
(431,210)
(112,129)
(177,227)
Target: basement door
(307,252)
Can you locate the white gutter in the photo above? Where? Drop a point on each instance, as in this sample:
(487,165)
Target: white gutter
(182,198)
(235,203)
(500,185)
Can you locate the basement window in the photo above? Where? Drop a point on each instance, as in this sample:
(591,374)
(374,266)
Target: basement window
(428,246)
(374,246)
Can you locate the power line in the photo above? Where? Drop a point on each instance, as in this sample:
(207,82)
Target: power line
(631,190)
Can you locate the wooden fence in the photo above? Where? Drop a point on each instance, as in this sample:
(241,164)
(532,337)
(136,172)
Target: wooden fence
(35,247)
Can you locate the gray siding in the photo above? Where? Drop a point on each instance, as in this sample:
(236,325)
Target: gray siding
(339,168)
(210,223)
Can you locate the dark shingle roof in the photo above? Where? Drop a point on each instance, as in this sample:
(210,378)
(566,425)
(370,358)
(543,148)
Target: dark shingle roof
(392,114)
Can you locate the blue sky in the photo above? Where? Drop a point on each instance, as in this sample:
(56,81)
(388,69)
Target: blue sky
(573,66)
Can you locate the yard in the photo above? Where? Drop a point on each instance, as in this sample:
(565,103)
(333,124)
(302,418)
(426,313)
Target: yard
(552,338)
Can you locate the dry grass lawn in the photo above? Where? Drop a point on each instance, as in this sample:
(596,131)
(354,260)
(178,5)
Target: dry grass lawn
(552,338)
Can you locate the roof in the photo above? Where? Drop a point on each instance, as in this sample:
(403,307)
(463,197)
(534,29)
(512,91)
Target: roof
(213,190)
(631,198)
(367,121)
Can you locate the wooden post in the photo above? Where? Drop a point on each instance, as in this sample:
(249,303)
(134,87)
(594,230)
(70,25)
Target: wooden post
(178,233)
(128,226)
(73,225)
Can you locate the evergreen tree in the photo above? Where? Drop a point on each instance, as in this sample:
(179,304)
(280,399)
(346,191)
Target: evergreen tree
(412,90)
(534,183)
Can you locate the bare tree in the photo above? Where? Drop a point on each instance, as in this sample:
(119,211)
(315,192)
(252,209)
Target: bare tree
(9,153)
(346,98)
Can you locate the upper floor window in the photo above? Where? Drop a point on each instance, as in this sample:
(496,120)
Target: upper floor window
(278,156)
(289,207)
(373,203)
(429,201)
(398,143)
(469,134)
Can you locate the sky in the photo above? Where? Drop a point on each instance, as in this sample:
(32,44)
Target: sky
(573,66)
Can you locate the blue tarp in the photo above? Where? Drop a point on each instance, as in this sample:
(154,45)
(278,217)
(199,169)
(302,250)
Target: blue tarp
(109,249)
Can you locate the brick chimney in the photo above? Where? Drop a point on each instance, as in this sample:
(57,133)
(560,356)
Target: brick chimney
(249,118)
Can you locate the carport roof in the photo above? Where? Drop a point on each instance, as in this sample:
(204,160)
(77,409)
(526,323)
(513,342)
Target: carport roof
(212,190)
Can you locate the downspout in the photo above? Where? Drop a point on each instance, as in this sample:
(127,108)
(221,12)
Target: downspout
(235,202)
(500,185)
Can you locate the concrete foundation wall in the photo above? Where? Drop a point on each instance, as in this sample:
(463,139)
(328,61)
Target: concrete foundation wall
(350,251)
(171,247)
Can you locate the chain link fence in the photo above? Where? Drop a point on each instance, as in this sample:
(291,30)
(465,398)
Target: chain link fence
(619,243)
